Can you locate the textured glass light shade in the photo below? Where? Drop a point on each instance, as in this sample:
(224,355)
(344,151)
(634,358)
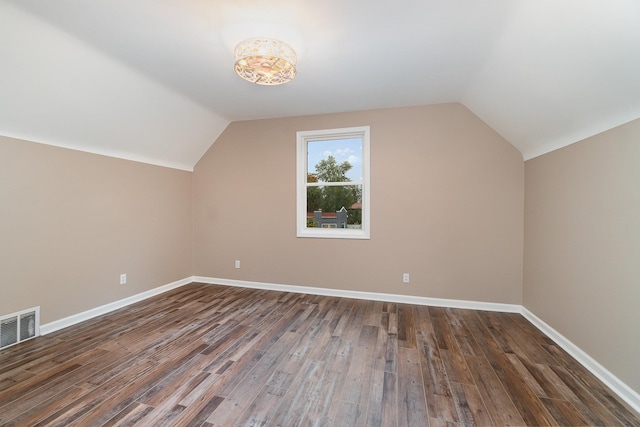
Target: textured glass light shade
(265,61)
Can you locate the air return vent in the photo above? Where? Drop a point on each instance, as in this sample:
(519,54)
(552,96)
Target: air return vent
(20,326)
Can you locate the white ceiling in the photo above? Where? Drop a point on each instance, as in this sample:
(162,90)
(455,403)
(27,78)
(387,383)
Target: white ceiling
(153,80)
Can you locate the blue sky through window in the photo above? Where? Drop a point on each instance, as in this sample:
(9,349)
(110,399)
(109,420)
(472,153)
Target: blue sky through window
(342,149)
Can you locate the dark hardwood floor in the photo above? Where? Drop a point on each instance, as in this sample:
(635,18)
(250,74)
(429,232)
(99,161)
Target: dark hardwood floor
(205,355)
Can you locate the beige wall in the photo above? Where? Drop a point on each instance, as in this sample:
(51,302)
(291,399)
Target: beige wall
(582,246)
(447,207)
(71,222)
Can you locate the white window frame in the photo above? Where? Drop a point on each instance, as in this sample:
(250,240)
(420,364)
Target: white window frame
(303,138)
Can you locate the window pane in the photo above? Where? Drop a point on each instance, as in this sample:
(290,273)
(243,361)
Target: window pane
(335,160)
(334,207)
(333,191)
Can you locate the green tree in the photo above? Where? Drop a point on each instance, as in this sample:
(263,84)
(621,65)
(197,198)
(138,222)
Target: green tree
(333,198)
(314,195)
(328,170)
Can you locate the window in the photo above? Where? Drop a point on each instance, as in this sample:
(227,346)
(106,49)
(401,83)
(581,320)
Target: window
(333,183)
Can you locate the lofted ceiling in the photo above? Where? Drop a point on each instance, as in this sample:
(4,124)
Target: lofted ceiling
(153,80)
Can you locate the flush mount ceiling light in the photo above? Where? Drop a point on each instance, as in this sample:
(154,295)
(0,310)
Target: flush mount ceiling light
(265,61)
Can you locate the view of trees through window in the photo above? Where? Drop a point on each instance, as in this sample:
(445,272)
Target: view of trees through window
(334,183)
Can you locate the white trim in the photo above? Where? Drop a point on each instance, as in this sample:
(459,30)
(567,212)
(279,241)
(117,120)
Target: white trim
(375,296)
(625,392)
(56,325)
(302,138)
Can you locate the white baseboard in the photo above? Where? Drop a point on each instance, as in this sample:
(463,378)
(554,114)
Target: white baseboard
(375,296)
(625,392)
(56,325)
(614,383)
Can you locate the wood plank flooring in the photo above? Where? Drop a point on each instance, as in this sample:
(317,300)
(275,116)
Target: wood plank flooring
(206,355)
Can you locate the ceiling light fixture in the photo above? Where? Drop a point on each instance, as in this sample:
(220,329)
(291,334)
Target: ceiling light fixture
(265,61)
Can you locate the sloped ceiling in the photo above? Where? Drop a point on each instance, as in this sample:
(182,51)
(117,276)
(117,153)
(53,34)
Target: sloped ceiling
(153,80)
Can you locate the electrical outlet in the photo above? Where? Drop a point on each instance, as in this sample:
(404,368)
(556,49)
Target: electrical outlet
(123,279)
(237,263)
(405,278)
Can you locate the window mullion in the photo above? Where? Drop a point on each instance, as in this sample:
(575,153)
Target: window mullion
(334,184)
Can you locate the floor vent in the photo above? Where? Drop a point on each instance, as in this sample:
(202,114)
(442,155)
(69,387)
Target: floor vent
(20,326)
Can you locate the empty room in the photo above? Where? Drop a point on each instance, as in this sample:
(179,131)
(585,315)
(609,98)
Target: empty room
(219,213)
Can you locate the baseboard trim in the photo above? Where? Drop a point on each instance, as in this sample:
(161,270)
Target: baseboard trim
(374,296)
(625,392)
(56,325)
(614,383)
